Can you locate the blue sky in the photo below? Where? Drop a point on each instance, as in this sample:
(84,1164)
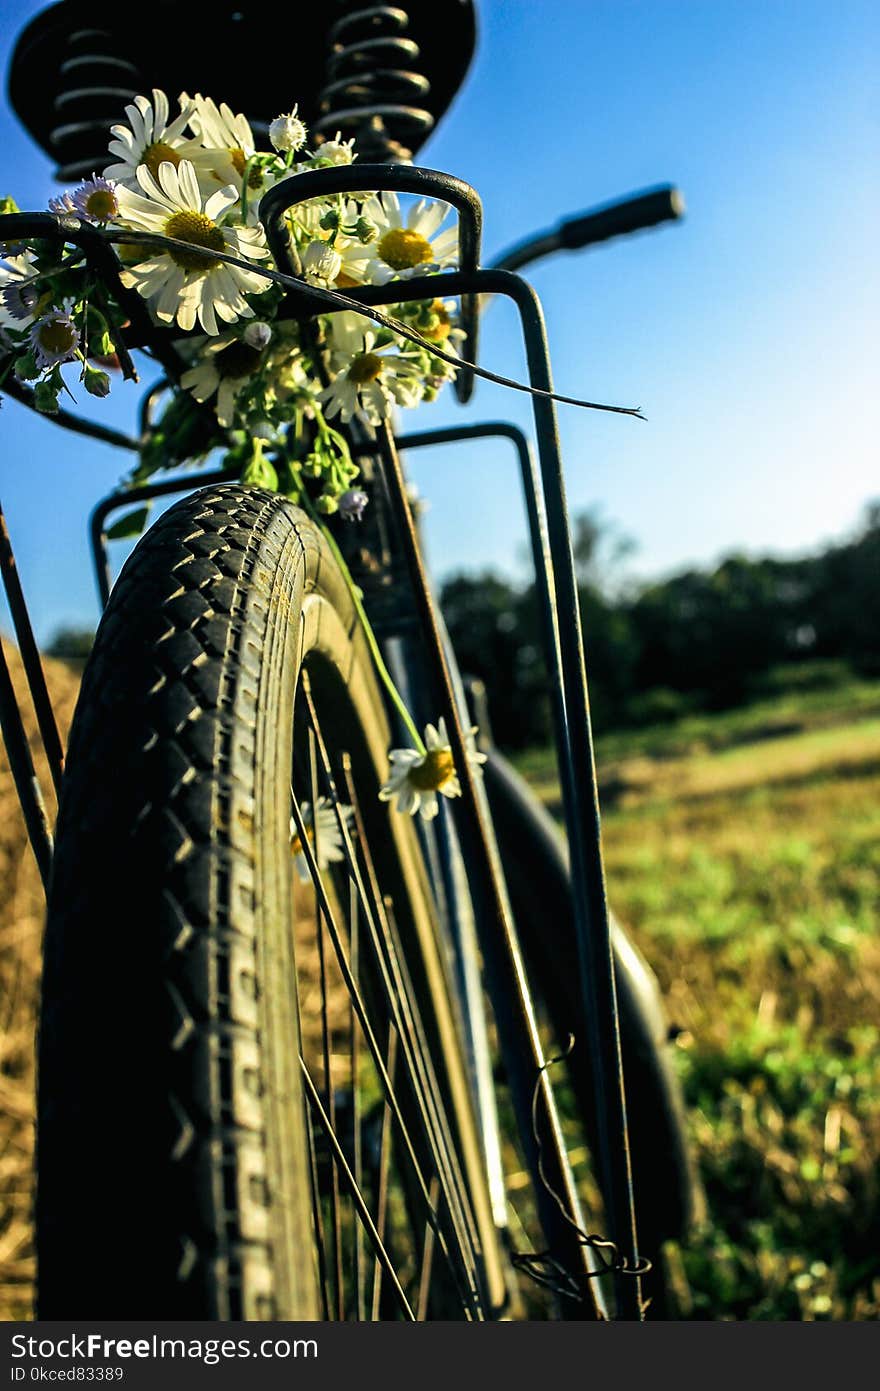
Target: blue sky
(747,333)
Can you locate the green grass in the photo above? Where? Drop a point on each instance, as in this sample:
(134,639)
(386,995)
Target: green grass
(742,852)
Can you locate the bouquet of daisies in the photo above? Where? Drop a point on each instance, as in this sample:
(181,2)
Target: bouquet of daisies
(261,386)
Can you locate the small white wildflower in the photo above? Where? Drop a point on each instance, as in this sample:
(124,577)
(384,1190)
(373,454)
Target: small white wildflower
(368,379)
(336,151)
(323,834)
(96,200)
(416,779)
(288,132)
(55,337)
(321,263)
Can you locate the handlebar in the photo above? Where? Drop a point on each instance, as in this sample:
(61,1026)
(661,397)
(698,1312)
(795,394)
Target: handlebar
(634,214)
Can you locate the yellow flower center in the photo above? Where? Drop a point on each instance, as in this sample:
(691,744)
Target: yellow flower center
(442,329)
(365,368)
(129,251)
(437,770)
(102,204)
(296,844)
(239,163)
(57,337)
(198,228)
(402,249)
(239,359)
(159,153)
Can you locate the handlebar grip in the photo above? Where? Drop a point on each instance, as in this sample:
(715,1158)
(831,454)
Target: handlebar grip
(647,210)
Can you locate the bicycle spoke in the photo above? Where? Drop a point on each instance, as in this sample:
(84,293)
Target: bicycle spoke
(359,1270)
(400,997)
(317,1217)
(403,985)
(462,1258)
(471,1294)
(384,1158)
(427,1261)
(325,1042)
(343,1169)
(357,999)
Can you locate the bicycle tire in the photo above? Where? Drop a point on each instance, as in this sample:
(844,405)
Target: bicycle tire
(176,1165)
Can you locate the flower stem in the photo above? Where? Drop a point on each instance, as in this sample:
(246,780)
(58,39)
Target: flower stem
(372,641)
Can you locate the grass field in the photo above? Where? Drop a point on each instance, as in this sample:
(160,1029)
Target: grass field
(743,852)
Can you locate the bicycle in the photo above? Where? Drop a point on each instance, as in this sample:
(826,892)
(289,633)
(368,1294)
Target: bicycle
(222,1131)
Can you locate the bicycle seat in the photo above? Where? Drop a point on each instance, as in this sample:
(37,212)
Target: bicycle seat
(383,73)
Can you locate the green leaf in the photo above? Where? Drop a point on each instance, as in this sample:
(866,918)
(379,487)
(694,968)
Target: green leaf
(132,524)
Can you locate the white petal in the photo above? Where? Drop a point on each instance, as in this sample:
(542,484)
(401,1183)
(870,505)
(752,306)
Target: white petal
(390,204)
(152,189)
(408,757)
(140,134)
(226,405)
(201,383)
(445,247)
(160,108)
(186,314)
(134,205)
(188,185)
(207,317)
(169,182)
(168,299)
(429,219)
(124,142)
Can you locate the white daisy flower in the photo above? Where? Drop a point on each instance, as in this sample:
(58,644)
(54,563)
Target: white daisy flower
(416,779)
(152,139)
(329,836)
(224,366)
(369,379)
(227,141)
(348,268)
(404,248)
(186,286)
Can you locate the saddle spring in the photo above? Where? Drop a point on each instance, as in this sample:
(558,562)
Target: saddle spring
(94,84)
(374,89)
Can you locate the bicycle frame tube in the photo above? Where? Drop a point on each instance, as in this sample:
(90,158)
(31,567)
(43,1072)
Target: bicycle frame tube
(575,748)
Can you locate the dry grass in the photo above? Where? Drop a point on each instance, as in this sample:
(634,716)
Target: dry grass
(21,927)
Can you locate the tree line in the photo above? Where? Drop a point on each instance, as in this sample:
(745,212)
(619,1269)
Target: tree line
(702,640)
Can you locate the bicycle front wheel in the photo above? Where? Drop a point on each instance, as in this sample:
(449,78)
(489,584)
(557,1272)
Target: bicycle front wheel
(252,1097)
